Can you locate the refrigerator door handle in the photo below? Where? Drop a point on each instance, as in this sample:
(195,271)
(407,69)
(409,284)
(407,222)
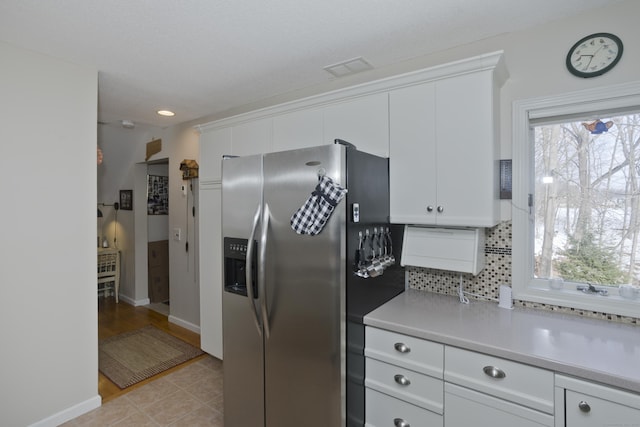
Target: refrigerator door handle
(249,268)
(261,270)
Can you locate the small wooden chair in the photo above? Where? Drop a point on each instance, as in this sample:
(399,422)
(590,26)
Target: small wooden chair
(109,271)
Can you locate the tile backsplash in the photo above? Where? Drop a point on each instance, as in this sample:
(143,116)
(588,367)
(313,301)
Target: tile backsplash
(497,272)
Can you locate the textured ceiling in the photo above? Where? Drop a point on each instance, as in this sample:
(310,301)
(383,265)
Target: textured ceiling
(202,57)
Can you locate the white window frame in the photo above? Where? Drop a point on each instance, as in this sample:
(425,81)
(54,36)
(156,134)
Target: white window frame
(525,287)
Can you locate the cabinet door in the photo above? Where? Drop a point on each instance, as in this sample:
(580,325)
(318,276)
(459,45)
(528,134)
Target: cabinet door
(364,122)
(252,137)
(210,252)
(583,410)
(299,129)
(464,408)
(213,145)
(466,151)
(412,154)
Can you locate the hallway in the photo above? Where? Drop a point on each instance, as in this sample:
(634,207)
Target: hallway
(187,395)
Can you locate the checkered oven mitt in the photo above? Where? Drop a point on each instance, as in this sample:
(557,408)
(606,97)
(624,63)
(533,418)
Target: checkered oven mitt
(316,211)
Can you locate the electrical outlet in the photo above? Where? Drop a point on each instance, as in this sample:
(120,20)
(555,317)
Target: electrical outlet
(177,234)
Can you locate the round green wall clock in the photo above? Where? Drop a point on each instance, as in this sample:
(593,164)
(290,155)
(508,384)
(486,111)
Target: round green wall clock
(594,55)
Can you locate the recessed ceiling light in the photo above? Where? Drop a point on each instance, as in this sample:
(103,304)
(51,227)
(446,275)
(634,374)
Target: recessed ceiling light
(166,113)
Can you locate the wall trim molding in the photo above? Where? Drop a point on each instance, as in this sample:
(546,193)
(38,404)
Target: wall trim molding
(134,302)
(187,325)
(70,413)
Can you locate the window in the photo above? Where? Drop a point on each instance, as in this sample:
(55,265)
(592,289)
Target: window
(576,200)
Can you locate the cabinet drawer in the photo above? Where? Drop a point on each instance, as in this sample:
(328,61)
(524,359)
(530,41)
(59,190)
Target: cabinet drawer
(383,411)
(466,407)
(519,383)
(412,353)
(611,407)
(413,387)
(586,411)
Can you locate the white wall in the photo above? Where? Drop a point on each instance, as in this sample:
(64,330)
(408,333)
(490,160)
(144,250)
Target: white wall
(184,291)
(48,307)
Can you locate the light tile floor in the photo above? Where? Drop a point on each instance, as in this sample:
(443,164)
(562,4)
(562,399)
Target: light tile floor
(191,396)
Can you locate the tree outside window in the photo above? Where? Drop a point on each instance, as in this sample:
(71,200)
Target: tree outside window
(587,200)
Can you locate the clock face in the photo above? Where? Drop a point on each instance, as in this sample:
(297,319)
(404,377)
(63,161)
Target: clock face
(594,55)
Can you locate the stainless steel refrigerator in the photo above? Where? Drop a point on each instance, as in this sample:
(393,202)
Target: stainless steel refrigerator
(293,303)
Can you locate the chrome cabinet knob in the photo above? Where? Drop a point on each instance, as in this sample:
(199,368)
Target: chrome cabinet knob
(429,208)
(399,422)
(584,406)
(402,380)
(440,209)
(494,372)
(402,347)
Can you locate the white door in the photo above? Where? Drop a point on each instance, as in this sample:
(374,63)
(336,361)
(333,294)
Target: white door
(209,217)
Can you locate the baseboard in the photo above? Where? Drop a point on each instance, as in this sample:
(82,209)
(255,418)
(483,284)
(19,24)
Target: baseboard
(187,325)
(70,413)
(134,302)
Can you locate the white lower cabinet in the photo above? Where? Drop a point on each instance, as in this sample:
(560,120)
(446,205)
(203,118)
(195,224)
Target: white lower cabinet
(410,386)
(413,382)
(464,407)
(521,384)
(499,391)
(383,410)
(587,404)
(403,380)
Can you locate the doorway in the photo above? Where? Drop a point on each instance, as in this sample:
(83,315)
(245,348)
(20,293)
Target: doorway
(157,215)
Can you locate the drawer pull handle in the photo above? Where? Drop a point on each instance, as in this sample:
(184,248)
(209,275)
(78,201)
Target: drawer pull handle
(399,422)
(402,380)
(584,406)
(402,347)
(494,372)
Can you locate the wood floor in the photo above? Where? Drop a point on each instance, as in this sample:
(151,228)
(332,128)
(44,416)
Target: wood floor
(115,318)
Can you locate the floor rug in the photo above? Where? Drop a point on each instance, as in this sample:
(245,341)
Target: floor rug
(131,357)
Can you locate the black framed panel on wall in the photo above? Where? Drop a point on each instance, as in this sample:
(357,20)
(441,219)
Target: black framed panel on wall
(157,195)
(126,200)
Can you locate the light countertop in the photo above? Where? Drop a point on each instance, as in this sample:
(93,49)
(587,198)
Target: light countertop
(597,350)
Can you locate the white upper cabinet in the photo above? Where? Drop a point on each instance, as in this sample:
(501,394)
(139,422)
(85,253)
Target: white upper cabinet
(444,152)
(363,121)
(412,163)
(298,129)
(252,137)
(213,145)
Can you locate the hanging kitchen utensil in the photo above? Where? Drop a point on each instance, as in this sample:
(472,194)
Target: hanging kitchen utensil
(392,258)
(375,268)
(361,270)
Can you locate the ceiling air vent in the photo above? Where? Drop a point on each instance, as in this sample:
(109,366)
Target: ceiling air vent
(350,66)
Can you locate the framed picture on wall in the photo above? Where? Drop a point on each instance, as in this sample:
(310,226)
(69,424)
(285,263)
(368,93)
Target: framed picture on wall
(126,200)
(157,195)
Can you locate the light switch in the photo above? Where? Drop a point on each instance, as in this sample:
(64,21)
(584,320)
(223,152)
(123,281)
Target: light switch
(177,233)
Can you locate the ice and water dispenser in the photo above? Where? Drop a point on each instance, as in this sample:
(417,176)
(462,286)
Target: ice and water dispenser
(235,261)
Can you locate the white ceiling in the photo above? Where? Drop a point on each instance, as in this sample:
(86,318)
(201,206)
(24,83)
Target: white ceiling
(202,57)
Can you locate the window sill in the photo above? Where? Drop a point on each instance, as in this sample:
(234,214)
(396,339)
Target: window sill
(610,304)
